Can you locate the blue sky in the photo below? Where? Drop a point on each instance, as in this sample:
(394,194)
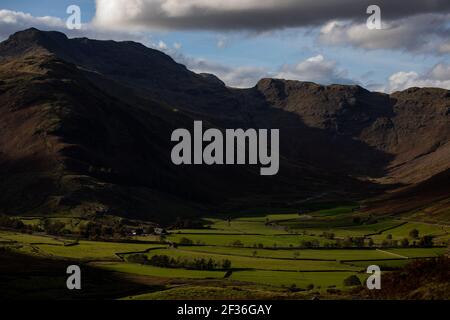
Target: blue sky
(413,50)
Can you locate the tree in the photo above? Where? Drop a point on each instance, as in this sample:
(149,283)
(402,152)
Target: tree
(414,234)
(389,237)
(426,242)
(352,281)
(357,220)
(186,242)
(226,264)
(405,243)
(56,228)
(348,242)
(237,243)
(329,235)
(228,274)
(385,243)
(371,243)
(138,258)
(359,242)
(11,223)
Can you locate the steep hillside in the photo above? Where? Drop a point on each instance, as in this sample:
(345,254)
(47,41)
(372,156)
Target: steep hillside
(86,128)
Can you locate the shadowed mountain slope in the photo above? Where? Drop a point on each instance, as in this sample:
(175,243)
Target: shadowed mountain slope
(86,128)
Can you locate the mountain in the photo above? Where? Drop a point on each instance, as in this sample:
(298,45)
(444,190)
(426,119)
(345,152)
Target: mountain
(86,128)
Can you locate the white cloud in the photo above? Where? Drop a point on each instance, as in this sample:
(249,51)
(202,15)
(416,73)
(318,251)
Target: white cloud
(12,21)
(438,76)
(426,33)
(315,69)
(237,77)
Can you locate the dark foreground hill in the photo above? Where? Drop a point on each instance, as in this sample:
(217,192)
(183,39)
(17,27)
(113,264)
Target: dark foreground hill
(86,128)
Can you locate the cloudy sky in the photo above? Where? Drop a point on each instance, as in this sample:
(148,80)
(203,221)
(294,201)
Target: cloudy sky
(242,41)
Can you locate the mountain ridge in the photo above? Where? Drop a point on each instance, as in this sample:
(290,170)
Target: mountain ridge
(109,108)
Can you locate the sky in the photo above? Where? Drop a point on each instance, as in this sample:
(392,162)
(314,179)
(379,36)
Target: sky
(242,41)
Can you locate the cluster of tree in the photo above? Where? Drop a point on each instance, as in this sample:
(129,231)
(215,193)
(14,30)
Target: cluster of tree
(306,244)
(185,242)
(95,230)
(164,261)
(417,241)
(11,223)
(328,235)
(54,228)
(352,281)
(186,223)
(237,244)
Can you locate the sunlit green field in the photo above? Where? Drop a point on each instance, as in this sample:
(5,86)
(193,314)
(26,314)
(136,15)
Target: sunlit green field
(304,254)
(264,250)
(419,252)
(27,238)
(161,272)
(403,231)
(300,279)
(248,240)
(88,250)
(241,262)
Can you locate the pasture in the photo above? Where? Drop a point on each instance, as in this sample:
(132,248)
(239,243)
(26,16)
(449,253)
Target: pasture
(265,251)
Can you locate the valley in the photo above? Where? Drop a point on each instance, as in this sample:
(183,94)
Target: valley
(290,256)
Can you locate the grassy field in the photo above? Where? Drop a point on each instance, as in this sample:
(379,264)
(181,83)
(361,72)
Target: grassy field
(88,250)
(285,241)
(403,231)
(304,254)
(211,293)
(240,262)
(264,252)
(160,272)
(300,279)
(84,250)
(418,252)
(28,239)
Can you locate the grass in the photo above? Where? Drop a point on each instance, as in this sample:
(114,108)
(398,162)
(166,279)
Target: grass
(300,279)
(403,231)
(280,263)
(206,293)
(239,226)
(295,254)
(383,264)
(271,278)
(419,252)
(160,272)
(248,240)
(85,250)
(89,250)
(240,262)
(24,238)
(335,211)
